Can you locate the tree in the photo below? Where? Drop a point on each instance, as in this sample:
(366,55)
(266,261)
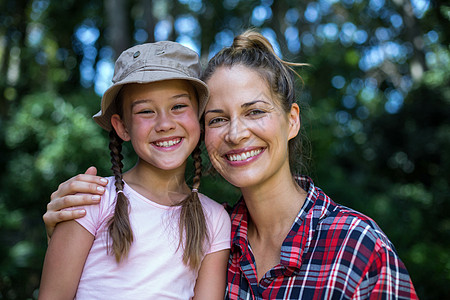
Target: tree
(375,97)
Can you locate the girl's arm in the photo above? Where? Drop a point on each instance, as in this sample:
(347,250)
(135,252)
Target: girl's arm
(83,189)
(64,261)
(211,280)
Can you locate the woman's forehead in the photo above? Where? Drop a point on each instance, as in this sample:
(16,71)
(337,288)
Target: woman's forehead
(238,85)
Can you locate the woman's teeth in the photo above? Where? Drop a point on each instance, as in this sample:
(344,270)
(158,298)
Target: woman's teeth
(243,156)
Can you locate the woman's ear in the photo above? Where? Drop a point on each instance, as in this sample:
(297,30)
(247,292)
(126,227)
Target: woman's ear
(294,121)
(119,126)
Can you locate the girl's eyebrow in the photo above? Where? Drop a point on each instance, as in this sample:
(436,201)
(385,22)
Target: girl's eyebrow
(244,105)
(137,102)
(181,96)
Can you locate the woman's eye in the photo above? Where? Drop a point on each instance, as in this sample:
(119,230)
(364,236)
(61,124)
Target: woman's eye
(216,121)
(256,112)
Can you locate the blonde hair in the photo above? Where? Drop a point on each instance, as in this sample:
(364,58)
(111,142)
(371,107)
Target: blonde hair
(252,50)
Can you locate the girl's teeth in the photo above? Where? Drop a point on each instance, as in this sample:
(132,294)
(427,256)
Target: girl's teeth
(243,156)
(168,143)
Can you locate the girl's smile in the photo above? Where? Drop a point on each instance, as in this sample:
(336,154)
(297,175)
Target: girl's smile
(168,144)
(161,121)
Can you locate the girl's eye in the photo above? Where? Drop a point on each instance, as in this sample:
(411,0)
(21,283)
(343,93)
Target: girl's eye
(145,111)
(179,106)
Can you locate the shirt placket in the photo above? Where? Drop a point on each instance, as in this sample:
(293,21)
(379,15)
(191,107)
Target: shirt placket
(248,271)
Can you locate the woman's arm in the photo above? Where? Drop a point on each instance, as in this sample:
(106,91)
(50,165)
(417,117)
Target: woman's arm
(69,194)
(211,280)
(64,261)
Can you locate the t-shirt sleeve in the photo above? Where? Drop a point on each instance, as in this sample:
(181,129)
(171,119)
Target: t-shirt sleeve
(219,229)
(96,214)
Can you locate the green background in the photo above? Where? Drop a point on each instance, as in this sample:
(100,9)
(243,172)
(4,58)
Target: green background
(375,107)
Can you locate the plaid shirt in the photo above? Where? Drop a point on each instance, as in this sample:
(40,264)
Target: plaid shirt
(331,252)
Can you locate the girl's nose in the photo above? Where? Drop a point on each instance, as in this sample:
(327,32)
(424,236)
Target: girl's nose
(164,122)
(237,132)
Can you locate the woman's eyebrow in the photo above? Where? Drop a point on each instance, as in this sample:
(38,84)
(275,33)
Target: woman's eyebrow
(244,105)
(247,104)
(217,111)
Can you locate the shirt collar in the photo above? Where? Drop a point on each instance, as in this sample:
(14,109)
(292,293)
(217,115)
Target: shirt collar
(302,229)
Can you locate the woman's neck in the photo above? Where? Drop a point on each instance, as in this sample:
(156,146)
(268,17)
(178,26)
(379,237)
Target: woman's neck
(166,187)
(274,205)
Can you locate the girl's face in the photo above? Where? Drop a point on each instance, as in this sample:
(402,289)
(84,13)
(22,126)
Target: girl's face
(161,121)
(246,130)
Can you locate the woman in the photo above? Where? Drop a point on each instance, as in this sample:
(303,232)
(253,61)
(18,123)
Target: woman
(289,239)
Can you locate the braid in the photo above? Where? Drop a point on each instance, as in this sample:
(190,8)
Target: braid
(196,155)
(119,227)
(193,229)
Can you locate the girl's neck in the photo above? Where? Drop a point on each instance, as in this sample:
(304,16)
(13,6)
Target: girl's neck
(274,205)
(166,187)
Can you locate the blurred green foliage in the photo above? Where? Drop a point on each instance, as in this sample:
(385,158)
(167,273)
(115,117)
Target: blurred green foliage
(375,108)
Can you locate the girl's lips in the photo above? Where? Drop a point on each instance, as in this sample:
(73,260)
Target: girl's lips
(167,143)
(243,156)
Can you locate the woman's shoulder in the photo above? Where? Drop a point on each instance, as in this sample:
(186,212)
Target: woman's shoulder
(357,225)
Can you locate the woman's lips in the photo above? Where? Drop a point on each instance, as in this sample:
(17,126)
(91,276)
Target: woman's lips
(242,157)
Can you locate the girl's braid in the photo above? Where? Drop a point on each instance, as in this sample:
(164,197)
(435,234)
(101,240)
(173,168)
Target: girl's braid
(119,225)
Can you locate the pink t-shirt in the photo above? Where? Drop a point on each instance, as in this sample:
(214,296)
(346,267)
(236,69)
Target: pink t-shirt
(154,268)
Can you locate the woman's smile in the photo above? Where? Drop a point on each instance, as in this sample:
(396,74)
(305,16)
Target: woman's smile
(242,156)
(246,130)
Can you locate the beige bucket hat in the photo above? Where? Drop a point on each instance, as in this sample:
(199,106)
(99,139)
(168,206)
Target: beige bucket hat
(150,63)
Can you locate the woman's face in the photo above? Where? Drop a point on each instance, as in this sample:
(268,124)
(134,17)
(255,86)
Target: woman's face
(246,130)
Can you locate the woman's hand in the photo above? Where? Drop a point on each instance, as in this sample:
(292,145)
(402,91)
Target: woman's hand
(83,189)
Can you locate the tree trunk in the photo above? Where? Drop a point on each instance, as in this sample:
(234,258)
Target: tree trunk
(117,20)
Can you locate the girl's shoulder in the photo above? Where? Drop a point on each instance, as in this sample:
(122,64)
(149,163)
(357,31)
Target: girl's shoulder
(210,204)
(109,196)
(218,223)
(214,211)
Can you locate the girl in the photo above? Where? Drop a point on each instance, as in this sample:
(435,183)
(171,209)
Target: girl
(150,237)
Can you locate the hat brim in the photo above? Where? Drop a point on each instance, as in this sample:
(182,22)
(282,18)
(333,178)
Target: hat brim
(103,117)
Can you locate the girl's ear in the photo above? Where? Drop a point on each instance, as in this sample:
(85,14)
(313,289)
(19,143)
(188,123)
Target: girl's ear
(119,126)
(294,121)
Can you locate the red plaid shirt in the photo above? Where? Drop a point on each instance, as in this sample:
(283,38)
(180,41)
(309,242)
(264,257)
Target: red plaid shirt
(331,252)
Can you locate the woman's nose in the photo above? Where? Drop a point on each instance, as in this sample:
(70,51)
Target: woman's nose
(237,131)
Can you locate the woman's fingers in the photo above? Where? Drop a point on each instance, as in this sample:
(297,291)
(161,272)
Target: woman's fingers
(72,200)
(81,183)
(51,218)
(82,189)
